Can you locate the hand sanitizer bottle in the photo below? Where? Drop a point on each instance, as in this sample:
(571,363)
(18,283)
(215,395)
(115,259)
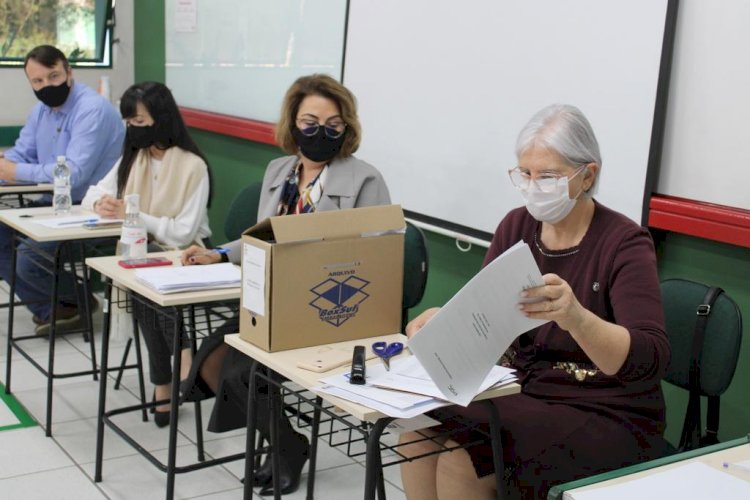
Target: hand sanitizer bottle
(61,200)
(134,239)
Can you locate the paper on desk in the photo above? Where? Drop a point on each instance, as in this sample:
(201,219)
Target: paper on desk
(254,279)
(386,409)
(187,278)
(460,344)
(409,375)
(401,425)
(692,481)
(67,221)
(397,399)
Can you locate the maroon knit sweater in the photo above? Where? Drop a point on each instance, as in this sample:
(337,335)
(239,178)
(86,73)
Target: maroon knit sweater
(613,274)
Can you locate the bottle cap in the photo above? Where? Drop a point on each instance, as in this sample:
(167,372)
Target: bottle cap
(60,159)
(132,202)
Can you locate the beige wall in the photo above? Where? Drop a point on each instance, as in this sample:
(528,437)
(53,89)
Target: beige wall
(16,97)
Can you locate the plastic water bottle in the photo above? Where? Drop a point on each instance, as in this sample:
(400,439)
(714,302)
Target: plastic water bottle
(61,200)
(134,239)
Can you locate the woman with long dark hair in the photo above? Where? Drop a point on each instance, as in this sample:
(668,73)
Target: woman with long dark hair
(162,164)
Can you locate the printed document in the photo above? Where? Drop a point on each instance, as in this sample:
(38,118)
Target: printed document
(186,278)
(460,344)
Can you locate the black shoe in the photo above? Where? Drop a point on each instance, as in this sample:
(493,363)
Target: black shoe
(263,474)
(161,418)
(295,452)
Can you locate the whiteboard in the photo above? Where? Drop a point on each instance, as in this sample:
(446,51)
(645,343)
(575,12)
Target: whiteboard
(445,86)
(706,147)
(238,57)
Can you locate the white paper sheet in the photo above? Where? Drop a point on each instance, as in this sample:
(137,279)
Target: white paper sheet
(459,346)
(185,278)
(391,411)
(409,375)
(401,425)
(693,481)
(67,221)
(254,279)
(397,399)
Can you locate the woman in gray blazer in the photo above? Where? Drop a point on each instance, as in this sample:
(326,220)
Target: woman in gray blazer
(320,130)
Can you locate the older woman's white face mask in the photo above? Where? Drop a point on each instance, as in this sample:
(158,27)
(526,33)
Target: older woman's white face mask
(545,182)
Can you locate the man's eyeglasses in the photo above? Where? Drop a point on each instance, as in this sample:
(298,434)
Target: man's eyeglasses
(332,129)
(546,182)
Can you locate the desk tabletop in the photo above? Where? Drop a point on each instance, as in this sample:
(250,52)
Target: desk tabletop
(125,279)
(714,456)
(285,363)
(29,188)
(22,220)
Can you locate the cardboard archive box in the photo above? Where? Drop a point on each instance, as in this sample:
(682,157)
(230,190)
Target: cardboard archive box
(324,277)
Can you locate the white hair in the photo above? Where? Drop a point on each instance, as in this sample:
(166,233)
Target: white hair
(564,129)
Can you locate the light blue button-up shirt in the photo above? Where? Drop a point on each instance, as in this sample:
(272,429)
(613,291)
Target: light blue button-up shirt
(86,129)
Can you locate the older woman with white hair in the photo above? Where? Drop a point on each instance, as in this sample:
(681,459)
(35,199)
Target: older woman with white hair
(591,399)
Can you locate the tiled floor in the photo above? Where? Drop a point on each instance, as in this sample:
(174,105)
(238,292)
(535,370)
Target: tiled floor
(33,466)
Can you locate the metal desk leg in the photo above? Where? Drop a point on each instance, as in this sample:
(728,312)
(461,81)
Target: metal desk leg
(57,267)
(497,448)
(103,381)
(274,396)
(252,425)
(139,361)
(313,448)
(373,469)
(85,302)
(174,403)
(193,341)
(11,306)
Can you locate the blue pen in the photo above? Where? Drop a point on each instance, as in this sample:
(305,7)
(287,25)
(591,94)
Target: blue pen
(86,221)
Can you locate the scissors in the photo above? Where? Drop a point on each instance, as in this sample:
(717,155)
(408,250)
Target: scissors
(386,351)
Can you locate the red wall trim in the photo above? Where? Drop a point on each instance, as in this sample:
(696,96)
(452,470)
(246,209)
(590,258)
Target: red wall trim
(230,125)
(697,218)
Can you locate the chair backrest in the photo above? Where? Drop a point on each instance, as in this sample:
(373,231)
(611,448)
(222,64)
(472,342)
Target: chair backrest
(243,212)
(716,356)
(416,266)
(721,341)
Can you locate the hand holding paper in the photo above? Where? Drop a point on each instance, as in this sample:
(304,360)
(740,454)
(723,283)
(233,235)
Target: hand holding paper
(463,341)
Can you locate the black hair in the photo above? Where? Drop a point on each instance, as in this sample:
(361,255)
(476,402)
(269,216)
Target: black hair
(47,56)
(169,128)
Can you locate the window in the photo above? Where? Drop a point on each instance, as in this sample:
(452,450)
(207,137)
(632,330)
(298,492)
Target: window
(82,29)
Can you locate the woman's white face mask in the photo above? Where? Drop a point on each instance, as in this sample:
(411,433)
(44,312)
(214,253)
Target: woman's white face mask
(552,206)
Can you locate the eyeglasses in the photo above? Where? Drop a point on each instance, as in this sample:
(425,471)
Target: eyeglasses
(546,182)
(332,129)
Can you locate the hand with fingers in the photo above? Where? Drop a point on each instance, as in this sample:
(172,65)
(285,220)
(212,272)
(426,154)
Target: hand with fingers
(553,301)
(197,255)
(109,207)
(417,323)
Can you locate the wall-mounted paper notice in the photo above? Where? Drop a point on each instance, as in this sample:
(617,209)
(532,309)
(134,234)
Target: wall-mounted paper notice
(254,279)
(186,16)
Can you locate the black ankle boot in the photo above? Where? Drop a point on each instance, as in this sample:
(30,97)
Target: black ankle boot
(263,474)
(295,450)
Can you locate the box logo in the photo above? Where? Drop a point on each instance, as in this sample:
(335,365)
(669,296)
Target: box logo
(338,301)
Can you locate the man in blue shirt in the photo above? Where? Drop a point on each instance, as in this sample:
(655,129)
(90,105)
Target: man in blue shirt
(73,121)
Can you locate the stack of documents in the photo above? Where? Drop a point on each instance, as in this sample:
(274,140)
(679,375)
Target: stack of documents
(403,392)
(460,344)
(187,278)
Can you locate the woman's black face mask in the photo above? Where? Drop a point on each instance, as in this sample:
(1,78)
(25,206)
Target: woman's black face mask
(318,147)
(141,137)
